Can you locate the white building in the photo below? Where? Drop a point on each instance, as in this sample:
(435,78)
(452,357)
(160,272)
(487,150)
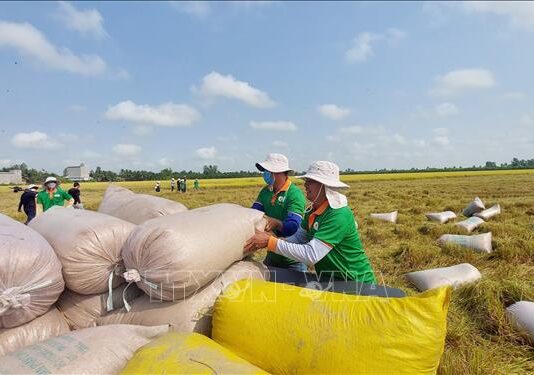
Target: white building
(12,177)
(77,173)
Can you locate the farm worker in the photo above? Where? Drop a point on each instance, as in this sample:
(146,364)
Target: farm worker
(74,192)
(283,204)
(328,237)
(27,201)
(184,186)
(52,195)
(173,183)
(196,184)
(157,188)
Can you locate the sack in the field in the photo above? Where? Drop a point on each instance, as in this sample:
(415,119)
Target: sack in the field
(474,207)
(479,242)
(95,350)
(82,310)
(285,329)
(173,256)
(50,324)
(454,276)
(187,353)
(88,244)
(471,223)
(489,212)
(390,217)
(136,208)
(521,314)
(441,217)
(192,314)
(30,274)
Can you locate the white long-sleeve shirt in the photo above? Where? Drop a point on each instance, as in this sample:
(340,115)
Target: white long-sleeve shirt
(301,248)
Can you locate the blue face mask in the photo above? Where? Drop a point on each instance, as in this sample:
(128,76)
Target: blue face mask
(268,178)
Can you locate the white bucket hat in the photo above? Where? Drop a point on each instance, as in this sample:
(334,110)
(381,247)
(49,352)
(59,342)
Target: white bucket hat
(275,163)
(50,179)
(32,186)
(327,173)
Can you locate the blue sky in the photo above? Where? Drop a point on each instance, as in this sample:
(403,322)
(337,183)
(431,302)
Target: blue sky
(164,84)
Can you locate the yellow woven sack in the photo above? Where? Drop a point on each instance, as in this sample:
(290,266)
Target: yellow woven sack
(187,353)
(285,329)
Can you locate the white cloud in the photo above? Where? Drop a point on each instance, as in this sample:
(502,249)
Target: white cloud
(194,8)
(28,40)
(460,80)
(127,150)
(274,125)
(6,163)
(167,114)
(123,74)
(68,137)
(89,154)
(446,109)
(143,130)
(441,136)
(362,48)
(88,22)
(280,144)
(165,162)
(514,95)
(519,13)
(35,140)
(399,139)
(206,152)
(215,84)
(526,120)
(351,129)
(333,112)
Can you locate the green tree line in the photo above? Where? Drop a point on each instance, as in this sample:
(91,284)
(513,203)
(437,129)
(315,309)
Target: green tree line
(32,175)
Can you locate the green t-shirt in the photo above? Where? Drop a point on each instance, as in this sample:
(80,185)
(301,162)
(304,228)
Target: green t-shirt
(347,258)
(58,199)
(289,199)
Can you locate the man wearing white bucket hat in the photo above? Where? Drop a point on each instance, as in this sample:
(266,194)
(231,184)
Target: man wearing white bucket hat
(328,237)
(283,203)
(52,195)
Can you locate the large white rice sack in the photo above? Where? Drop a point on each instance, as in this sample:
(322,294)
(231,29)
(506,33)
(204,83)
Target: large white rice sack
(82,310)
(95,350)
(489,212)
(173,256)
(50,324)
(88,244)
(192,314)
(30,274)
(521,314)
(136,208)
(480,242)
(476,206)
(441,217)
(434,278)
(471,223)
(390,217)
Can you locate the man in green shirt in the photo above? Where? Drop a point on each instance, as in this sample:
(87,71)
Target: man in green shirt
(328,237)
(283,204)
(52,195)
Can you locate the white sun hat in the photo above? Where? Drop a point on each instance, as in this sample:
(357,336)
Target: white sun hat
(50,179)
(32,186)
(327,173)
(275,163)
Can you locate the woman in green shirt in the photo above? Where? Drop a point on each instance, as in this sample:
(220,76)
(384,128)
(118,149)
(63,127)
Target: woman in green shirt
(328,237)
(52,195)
